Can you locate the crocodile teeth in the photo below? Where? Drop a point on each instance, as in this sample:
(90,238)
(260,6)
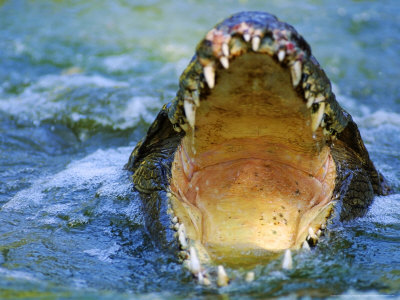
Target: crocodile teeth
(209,75)
(194,262)
(287,263)
(196,98)
(223,278)
(319,98)
(255,43)
(246,36)
(317,117)
(190,111)
(295,70)
(182,236)
(306,246)
(310,100)
(250,276)
(281,55)
(224,62)
(225,49)
(311,234)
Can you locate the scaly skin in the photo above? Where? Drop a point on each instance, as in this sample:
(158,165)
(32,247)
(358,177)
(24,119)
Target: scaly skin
(356,181)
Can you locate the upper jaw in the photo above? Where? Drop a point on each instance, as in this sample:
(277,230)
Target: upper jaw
(256,32)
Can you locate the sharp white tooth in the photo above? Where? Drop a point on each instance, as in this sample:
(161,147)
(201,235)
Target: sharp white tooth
(200,277)
(323,226)
(317,117)
(310,101)
(306,246)
(182,236)
(194,262)
(190,111)
(311,231)
(224,62)
(196,97)
(295,70)
(255,43)
(209,75)
(281,55)
(223,278)
(206,281)
(312,234)
(250,276)
(319,232)
(175,220)
(182,240)
(225,49)
(287,260)
(246,37)
(319,98)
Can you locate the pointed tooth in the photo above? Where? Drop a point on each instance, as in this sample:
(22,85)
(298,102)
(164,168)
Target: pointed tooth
(250,276)
(225,49)
(295,70)
(200,278)
(319,98)
(246,36)
(323,226)
(306,246)
(209,75)
(196,97)
(317,117)
(224,62)
(310,101)
(287,263)
(255,43)
(223,278)
(182,240)
(281,55)
(311,231)
(175,220)
(194,261)
(182,236)
(312,234)
(190,111)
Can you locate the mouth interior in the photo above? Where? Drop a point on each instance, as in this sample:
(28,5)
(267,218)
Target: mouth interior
(251,175)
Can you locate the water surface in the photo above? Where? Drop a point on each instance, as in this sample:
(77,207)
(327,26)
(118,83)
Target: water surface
(80,81)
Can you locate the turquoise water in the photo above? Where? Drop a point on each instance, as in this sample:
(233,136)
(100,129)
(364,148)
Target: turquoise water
(80,81)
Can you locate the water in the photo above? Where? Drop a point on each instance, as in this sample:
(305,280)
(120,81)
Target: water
(80,81)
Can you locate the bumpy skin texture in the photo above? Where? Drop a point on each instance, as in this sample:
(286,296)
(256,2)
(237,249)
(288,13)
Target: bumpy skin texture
(357,179)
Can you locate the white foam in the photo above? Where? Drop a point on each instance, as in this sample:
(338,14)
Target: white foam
(136,108)
(17,275)
(77,80)
(101,170)
(40,100)
(384,210)
(103,254)
(379,118)
(120,63)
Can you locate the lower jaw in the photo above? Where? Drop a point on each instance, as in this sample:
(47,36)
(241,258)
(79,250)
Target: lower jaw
(245,210)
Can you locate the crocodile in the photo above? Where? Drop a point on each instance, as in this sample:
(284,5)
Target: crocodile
(254,154)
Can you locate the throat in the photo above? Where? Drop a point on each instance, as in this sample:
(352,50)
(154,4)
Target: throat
(249,204)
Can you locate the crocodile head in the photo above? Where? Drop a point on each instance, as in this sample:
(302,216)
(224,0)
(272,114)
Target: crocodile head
(256,148)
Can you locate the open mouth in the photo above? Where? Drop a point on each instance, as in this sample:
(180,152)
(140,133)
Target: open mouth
(253,153)
(254,172)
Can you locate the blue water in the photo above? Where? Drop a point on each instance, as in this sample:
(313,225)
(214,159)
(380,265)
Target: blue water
(80,81)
